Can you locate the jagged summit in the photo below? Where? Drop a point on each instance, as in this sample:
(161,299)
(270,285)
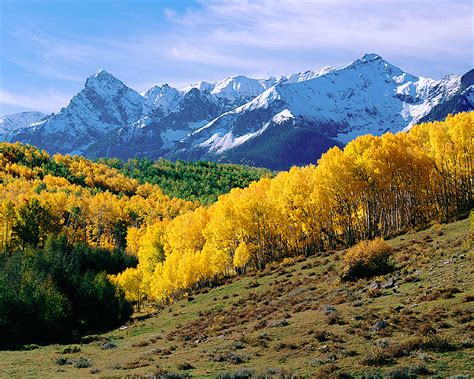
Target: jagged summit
(103,81)
(369,96)
(104,104)
(373,65)
(100,72)
(371,60)
(101,75)
(370,57)
(202,86)
(10,123)
(274,122)
(325,70)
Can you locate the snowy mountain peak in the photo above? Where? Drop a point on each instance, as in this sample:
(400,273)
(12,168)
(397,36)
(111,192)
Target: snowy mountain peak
(373,65)
(273,122)
(234,91)
(164,99)
(101,75)
(369,96)
(103,105)
(100,72)
(159,91)
(371,60)
(307,75)
(325,70)
(103,91)
(236,87)
(370,57)
(202,86)
(104,83)
(12,122)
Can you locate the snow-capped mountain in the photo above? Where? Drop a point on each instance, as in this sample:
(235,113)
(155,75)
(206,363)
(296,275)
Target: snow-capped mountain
(272,122)
(237,90)
(461,101)
(368,96)
(160,127)
(233,91)
(13,122)
(170,114)
(102,106)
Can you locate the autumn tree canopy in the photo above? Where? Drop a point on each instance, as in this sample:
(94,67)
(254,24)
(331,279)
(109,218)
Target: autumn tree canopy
(374,187)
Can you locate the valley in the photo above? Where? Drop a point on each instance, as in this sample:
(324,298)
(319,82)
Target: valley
(237,189)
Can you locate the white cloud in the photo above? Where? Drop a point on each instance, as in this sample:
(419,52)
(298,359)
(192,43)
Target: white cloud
(258,38)
(427,27)
(272,37)
(269,36)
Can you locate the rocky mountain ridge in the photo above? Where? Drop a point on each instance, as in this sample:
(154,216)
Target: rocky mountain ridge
(271,122)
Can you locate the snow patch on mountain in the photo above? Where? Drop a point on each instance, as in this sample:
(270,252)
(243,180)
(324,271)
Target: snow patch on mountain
(237,90)
(218,144)
(426,93)
(164,98)
(307,75)
(205,120)
(367,96)
(172,136)
(104,105)
(283,116)
(11,123)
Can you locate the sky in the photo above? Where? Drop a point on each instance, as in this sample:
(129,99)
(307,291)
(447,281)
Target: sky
(49,47)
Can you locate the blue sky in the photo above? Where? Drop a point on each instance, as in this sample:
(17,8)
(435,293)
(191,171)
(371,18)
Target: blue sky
(49,47)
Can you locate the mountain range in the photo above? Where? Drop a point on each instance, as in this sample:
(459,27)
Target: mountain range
(271,122)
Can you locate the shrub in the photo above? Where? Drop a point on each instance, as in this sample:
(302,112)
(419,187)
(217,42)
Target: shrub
(366,259)
(330,372)
(333,319)
(378,356)
(413,371)
(243,373)
(185,366)
(322,335)
(82,362)
(437,343)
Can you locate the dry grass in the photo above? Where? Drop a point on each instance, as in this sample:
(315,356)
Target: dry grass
(332,328)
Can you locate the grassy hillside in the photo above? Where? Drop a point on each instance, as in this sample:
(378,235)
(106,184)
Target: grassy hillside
(297,319)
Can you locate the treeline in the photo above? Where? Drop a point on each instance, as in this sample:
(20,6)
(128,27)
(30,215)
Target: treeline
(194,181)
(376,186)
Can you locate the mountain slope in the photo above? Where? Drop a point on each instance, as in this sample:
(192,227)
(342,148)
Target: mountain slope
(368,96)
(272,122)
(171,114)
(297,320)
(13,122)
(462,101)
(104,104)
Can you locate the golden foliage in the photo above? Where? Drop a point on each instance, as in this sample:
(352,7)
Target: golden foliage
(376,186)
(242,254)
(93,203)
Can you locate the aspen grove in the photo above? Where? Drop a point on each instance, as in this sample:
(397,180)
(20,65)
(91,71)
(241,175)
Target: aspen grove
(374,187)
